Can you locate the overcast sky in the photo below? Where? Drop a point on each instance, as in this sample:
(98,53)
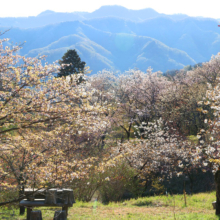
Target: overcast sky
(24,8)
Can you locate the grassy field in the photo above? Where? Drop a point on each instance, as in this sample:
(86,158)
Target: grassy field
(158,207)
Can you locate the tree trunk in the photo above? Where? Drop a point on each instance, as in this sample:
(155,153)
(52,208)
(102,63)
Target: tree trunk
(191,181)
(217,182)
(21,194)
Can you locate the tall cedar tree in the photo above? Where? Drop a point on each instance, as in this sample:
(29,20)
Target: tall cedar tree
(75,64)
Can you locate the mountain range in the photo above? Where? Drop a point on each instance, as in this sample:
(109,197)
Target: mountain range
(116,38)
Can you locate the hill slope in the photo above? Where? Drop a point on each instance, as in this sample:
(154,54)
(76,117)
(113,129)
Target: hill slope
(99,49)
(117,38)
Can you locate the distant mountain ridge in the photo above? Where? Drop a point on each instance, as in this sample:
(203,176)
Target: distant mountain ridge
(51,17)
(117,38)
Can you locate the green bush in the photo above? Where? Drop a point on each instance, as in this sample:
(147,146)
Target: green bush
(85,188)
(9,195)
(119,182)
(112,183)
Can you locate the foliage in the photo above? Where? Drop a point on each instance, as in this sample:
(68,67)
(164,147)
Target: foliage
(71,64)
(48,116)
(209,135)
(119,181)
(110,180)
(112,134)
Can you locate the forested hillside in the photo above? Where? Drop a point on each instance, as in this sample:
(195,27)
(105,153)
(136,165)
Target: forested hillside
(115,38)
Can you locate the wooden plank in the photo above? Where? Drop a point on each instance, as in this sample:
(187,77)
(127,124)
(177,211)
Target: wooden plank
(34,193)
(51,197)
(68,196)
(62,195)
(40,202)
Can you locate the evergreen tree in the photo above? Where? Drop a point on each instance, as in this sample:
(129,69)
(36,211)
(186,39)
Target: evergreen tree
(71,64)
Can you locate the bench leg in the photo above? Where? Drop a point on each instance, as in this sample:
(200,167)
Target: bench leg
(65,208)
(22,210)
(29,209)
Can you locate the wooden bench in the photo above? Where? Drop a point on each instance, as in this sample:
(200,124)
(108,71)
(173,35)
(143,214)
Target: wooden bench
(214,205)
(47,198)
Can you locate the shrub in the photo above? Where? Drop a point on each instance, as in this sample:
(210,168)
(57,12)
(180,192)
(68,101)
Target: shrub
(119,182)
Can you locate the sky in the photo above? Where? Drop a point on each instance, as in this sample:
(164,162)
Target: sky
(24,8)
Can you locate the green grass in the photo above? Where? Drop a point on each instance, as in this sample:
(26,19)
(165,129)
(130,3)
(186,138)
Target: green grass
(193,138)
(199,206)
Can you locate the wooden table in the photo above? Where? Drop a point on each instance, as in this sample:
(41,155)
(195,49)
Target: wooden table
(47,198)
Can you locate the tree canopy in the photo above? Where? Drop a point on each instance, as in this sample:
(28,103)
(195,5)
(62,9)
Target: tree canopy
(71,64)
(108,133)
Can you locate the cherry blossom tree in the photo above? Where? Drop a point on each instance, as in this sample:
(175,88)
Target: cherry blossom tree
(40,117)
(209,135)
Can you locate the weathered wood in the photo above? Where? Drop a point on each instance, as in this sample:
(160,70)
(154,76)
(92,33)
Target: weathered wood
(60,196)
(36,215)
(65,196)
(29,209)
(214,205)
(21,193)
(22,210)
(60,215)
(40,202)
(65,208)
(54,197)
(68,196)
(217,182)
(51,197)
(31,193)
